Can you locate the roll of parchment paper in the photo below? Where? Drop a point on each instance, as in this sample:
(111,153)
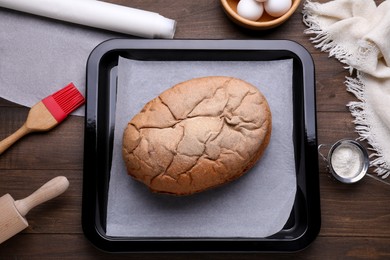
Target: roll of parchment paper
(99,15)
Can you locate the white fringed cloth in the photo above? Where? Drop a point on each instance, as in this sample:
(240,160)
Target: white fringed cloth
(357,33)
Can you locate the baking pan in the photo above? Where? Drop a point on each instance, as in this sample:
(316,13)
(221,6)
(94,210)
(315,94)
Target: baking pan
(304,222)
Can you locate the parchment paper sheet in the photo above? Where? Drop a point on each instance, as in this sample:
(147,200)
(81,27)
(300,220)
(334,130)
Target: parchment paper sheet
(39,56)
(256,205)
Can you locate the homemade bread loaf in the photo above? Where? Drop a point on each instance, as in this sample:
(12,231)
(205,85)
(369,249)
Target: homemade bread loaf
(199,134)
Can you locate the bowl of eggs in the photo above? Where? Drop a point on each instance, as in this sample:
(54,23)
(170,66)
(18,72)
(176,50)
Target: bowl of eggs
(259,14)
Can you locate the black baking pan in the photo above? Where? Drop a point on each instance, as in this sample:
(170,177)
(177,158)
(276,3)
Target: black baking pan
(304,222)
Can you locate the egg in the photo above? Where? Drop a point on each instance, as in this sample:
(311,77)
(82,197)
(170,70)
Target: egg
(277,8)
(250,9)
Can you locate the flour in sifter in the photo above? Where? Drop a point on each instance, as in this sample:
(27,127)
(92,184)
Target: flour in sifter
(347,161)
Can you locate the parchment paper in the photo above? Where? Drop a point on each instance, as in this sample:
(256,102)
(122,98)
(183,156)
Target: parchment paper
(40,56)
(256,205)
(99,14)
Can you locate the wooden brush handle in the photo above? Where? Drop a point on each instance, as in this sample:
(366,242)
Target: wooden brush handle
(10,140)
(49,190)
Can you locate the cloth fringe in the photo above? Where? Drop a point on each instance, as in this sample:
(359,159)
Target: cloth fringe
(358,110)
(322,40)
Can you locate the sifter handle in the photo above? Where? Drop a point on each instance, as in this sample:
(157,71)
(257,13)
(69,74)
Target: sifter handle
(49,190)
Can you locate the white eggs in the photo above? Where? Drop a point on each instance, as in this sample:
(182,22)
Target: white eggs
(277,8)
(254,9)
(250,9)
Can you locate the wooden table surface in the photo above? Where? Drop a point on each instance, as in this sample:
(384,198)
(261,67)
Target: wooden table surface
(355,218)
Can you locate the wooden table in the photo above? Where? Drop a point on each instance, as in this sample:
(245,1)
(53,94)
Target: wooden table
(355,218)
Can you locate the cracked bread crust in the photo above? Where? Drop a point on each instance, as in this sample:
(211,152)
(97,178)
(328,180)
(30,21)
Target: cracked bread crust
(199,134)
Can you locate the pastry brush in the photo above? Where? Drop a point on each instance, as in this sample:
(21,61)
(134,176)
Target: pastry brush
(47,114)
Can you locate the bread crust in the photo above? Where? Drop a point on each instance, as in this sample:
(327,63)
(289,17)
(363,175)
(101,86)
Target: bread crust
(197,135)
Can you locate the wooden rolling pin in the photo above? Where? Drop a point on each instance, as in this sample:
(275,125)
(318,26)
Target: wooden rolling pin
(12,213)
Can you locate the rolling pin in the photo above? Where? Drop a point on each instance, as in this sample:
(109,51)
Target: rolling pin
(12,213)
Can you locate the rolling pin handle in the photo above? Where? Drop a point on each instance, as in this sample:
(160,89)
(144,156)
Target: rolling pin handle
(49,190)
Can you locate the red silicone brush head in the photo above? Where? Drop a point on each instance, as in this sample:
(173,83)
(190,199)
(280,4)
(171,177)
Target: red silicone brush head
(64,102)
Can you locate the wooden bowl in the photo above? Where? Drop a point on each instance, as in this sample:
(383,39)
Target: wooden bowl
(265,22)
